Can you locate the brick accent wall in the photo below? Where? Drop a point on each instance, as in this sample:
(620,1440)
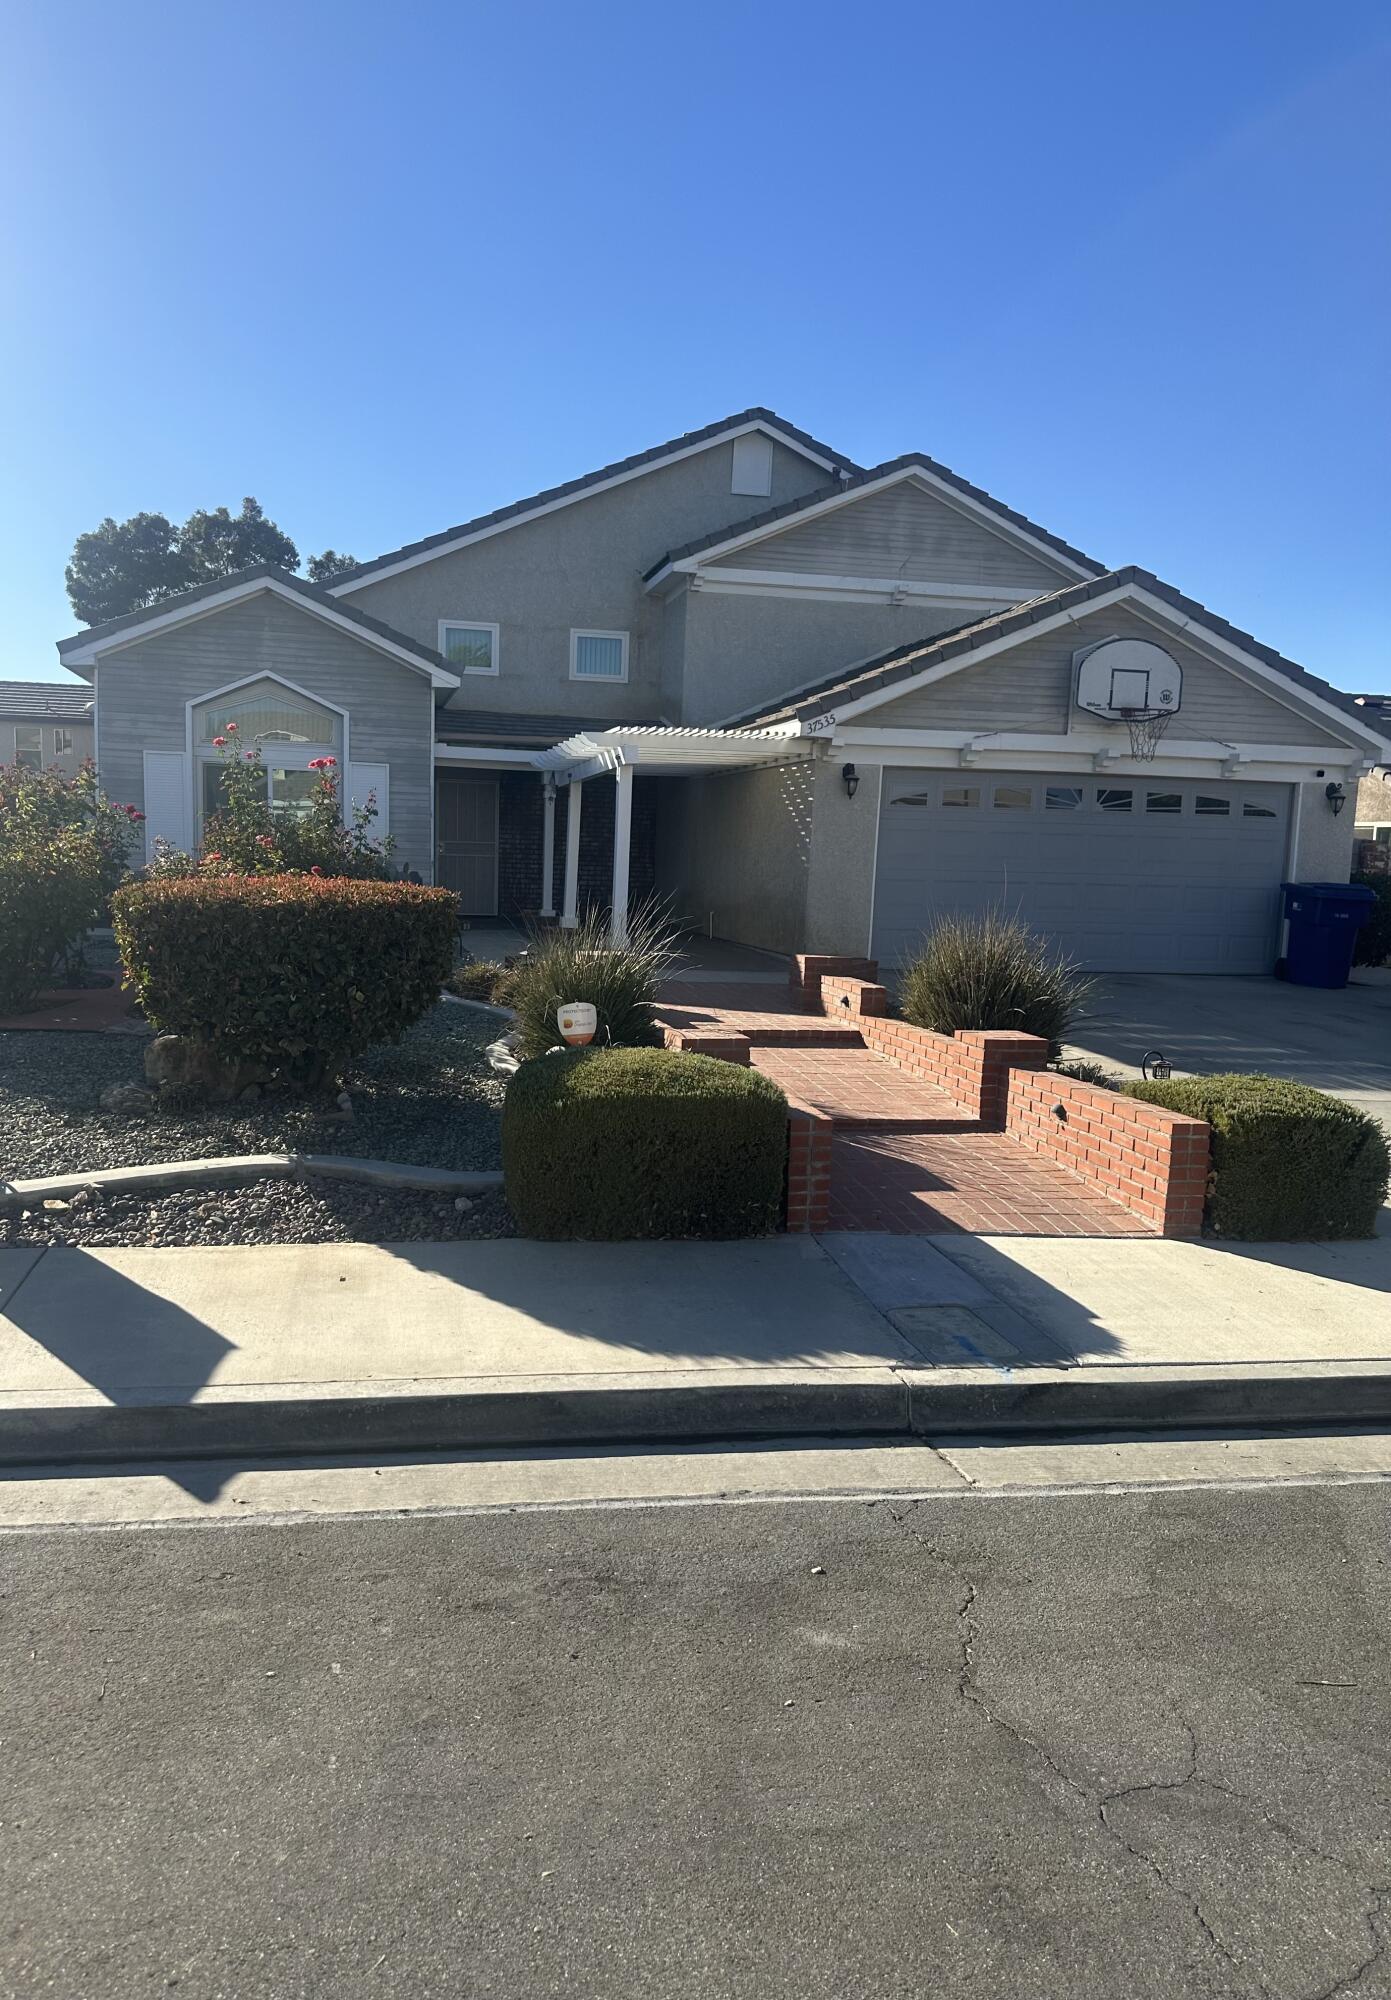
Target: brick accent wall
(809,968)
(1154,1162)
(520,828)
(808,1202)
(972,1067)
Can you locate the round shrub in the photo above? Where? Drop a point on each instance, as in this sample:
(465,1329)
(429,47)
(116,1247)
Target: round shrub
(63,849)
(298,972)
(990,972)
(606,1144)
(1289,1164)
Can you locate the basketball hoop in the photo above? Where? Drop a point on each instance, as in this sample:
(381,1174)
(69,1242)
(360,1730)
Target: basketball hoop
(1146,727)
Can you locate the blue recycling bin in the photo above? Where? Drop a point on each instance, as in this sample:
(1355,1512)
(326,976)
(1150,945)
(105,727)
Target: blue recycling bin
(1324,919)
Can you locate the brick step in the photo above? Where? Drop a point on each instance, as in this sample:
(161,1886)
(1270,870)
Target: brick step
(870,1122)
(817,1034)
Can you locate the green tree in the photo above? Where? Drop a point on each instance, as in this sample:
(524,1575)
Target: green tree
(123,566)
(324,568)
(219,543)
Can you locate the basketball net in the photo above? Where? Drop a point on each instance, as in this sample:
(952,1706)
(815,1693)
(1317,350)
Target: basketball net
(1146,727)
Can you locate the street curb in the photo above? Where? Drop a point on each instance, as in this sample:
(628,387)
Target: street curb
(247,1166)
(895,1404)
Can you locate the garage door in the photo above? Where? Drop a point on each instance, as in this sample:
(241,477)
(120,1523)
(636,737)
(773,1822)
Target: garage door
(1127,875)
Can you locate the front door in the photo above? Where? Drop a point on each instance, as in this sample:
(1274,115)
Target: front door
(467,820)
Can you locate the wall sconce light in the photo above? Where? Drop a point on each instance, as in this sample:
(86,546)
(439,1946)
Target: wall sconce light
(1336,798)
(850,778)
(1155,1066)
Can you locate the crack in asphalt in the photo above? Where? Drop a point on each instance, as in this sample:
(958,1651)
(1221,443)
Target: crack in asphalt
(1101,1803)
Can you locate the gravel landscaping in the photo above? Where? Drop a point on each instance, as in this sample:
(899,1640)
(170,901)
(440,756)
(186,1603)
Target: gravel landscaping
(269,1211)
(430,1099)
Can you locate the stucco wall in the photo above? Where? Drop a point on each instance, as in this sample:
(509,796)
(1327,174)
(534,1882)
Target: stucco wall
(1373,802)
(581,566)
(143,689)
(840,887)
(732,850)
(1322,845)
(744,651)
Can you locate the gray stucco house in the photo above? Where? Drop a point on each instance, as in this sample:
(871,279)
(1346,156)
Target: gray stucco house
(811,704)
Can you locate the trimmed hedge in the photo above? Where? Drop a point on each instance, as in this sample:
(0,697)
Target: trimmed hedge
(299,972)
(606,1144)
(1373,945)
(1289,1164)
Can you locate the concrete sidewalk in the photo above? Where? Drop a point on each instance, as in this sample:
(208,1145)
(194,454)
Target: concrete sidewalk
(355,1346)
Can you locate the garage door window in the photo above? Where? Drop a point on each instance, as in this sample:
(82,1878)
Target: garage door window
(1249,810)
(1164,802)
(1211,806)
(961,795)
(1013,798)
(1062,798)
(1113,800)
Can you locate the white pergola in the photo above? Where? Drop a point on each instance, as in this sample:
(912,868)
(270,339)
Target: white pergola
(617,753)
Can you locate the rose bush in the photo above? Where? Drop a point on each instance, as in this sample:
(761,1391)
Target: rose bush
(63,850)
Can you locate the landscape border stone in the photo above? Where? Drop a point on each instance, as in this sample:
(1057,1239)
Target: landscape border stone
(246,1167)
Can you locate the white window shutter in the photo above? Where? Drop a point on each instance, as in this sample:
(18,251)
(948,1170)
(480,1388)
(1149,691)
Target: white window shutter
(753,464)
(364,779)
(168,799)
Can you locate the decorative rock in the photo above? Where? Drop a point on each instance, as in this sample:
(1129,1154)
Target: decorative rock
(127,1100)
(180,1062)
(462,1204)
(56,1207)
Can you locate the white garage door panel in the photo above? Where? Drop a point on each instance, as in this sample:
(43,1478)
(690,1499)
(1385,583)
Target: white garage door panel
(1137,890)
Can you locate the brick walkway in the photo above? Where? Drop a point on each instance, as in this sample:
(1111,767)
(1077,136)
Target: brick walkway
(859,1088)
(977,1183)
(906,1157)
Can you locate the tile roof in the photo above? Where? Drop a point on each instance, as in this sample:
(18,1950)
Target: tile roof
(45,701)
(271,572)
(791,508)
(453,724)
(902,663)
(572,486)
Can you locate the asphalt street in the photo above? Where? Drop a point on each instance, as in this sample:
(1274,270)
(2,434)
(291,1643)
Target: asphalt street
(1120,1744)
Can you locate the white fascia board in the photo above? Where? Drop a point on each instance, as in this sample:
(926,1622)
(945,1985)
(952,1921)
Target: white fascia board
(976,510)
(1084,744)
(208,607)
(851,589)
(1273,682)
(585,493)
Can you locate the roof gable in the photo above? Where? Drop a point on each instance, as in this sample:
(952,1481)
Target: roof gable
(82,651)
(886,678)
(589,483)
(1056,557)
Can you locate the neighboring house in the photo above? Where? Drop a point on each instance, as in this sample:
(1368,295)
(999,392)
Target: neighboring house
(810,705)
(1374,791)
(45,724)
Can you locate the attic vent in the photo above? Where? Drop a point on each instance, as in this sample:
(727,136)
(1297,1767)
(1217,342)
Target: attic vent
(753,464)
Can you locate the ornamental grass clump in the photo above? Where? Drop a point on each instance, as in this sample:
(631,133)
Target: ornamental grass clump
(991,972)
(620,980)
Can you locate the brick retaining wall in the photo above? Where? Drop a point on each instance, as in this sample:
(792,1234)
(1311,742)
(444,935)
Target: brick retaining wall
(972,1067)
(1153,1161)
(809,1134)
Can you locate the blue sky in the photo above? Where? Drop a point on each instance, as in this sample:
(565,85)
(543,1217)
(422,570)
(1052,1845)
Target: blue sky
(1125,266)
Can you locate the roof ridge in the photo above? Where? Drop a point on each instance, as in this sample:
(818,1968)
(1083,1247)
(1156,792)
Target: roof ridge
(706,433)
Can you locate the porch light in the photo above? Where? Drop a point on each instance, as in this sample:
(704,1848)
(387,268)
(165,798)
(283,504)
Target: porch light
(1336,798)
(850,778)
(1155,1066)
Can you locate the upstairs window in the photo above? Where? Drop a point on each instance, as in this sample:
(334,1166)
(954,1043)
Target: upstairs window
(62,742)
(598,656)
(469,648)
(28,745)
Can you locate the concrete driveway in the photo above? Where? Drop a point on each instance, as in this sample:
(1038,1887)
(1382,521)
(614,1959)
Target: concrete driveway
(1339,1042)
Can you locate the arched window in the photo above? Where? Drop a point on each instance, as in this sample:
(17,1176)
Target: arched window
(265,712)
